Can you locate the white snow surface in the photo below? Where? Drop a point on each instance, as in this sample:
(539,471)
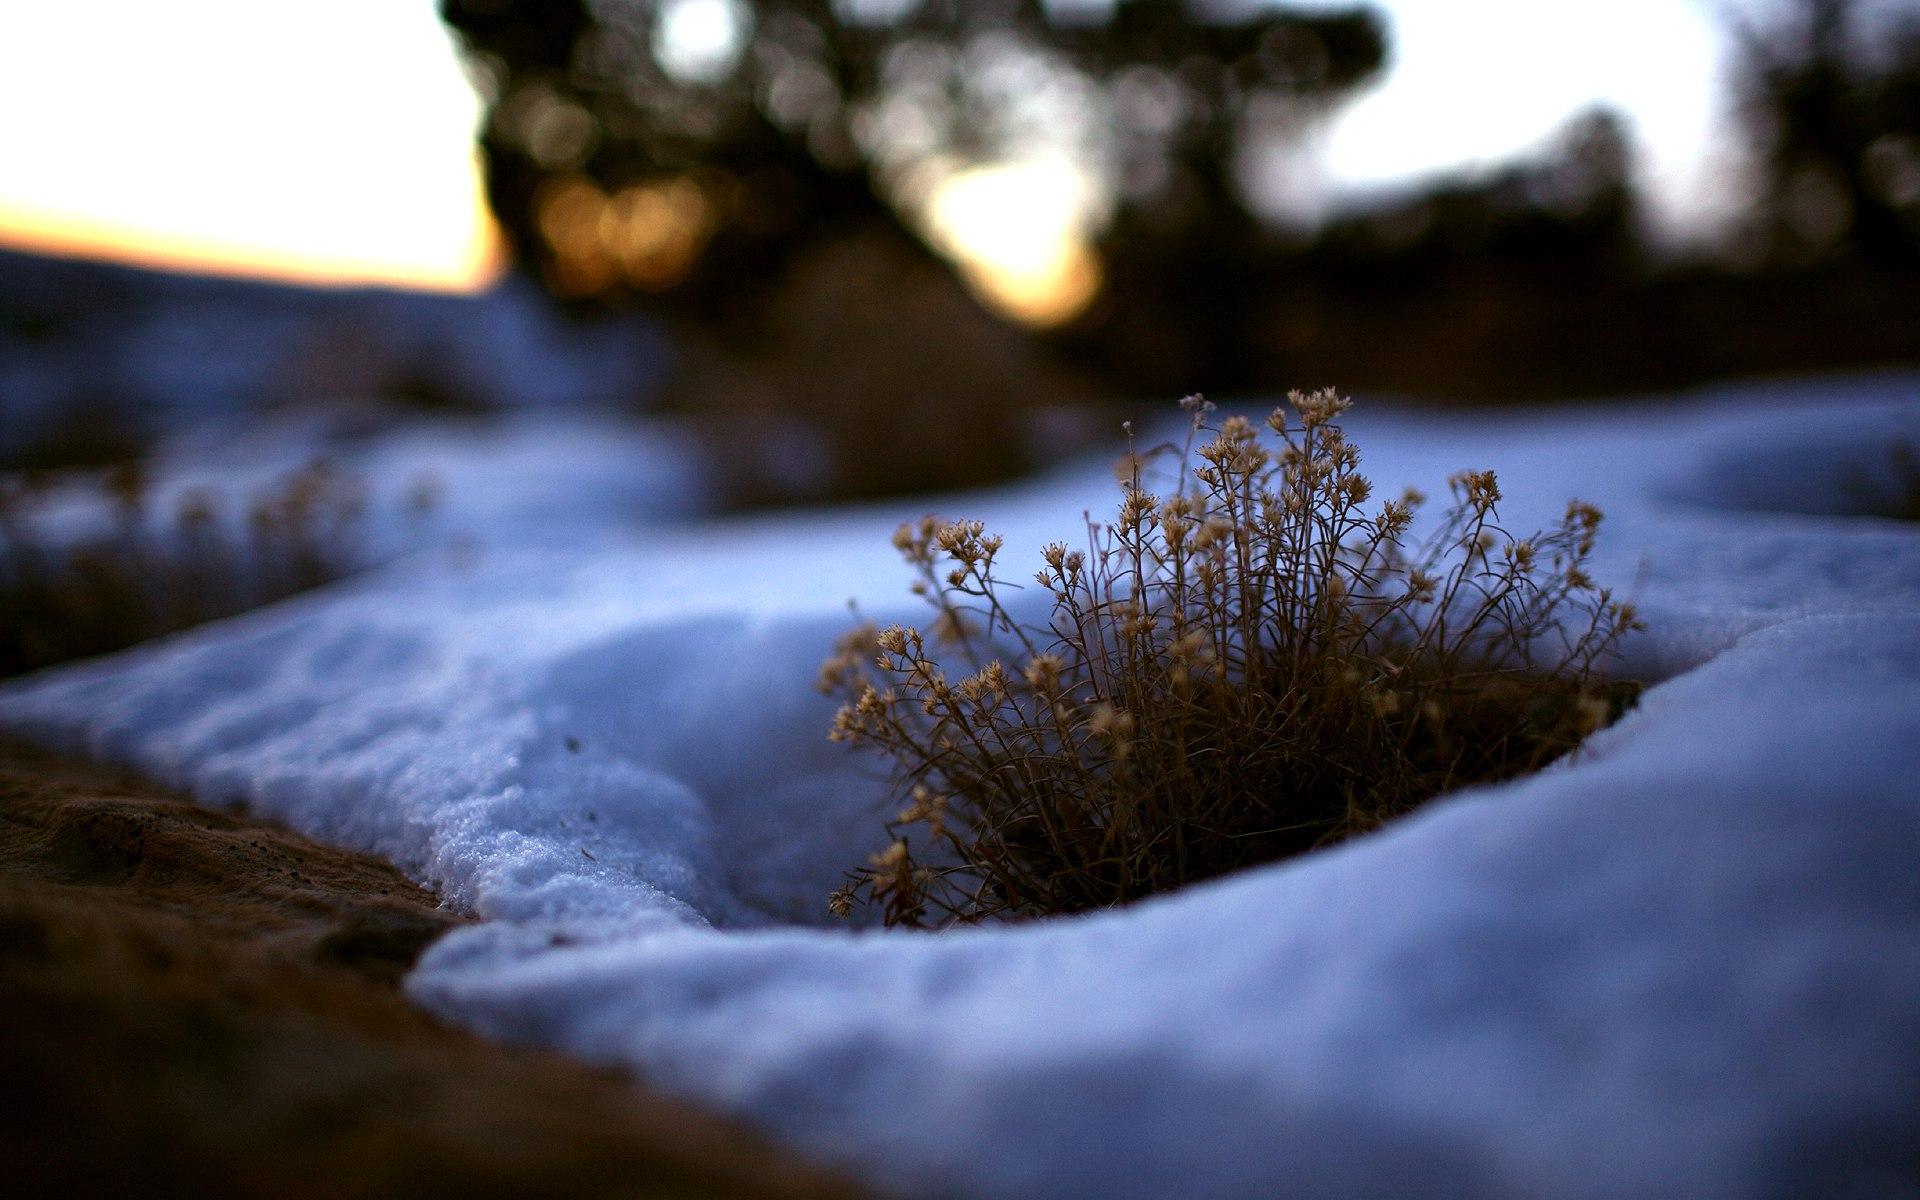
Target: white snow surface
(1684,963)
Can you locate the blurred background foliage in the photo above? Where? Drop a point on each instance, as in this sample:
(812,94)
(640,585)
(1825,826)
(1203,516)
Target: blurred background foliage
(879,246)
(898,219)
(801,187)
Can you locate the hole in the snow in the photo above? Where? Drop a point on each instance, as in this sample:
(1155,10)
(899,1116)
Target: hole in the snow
(1871,472)
(1893,489)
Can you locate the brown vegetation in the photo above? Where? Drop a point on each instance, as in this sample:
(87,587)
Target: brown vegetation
(154,572)
(1250,667)
(195,1004)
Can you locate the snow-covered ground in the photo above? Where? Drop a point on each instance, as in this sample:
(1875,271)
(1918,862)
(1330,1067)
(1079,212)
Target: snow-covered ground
(504,480)
(1686,963)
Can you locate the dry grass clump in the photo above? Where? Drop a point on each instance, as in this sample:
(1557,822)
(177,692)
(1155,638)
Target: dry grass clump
(1250,666)
(154,572)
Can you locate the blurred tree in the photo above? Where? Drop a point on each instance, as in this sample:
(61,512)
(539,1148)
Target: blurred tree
(1831,92)
(1519,280)
(793,184)
(1436,287)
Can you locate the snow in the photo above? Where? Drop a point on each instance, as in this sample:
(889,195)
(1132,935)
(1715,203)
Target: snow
(1686,962)
(500,479)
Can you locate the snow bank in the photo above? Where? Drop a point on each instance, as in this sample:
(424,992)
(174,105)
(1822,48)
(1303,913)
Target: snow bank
(1687,962)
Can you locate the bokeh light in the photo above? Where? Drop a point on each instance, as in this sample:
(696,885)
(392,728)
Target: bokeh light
(648,235)
(1020,234)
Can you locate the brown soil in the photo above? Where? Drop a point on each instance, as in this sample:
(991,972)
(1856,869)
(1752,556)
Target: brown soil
(193,1003)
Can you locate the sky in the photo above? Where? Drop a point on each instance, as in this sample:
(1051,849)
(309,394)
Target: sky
(1475,81)
(321,142)
(335,142)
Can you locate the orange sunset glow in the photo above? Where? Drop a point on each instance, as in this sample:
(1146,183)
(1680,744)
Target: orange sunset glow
(314,145)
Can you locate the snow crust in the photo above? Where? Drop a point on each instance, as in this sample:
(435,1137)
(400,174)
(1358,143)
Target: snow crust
(1686,962)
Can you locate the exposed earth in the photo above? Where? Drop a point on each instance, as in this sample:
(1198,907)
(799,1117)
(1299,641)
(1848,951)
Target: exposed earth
(196,1003)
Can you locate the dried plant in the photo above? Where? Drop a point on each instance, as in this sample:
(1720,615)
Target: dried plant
(155,572)
(1250,666)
